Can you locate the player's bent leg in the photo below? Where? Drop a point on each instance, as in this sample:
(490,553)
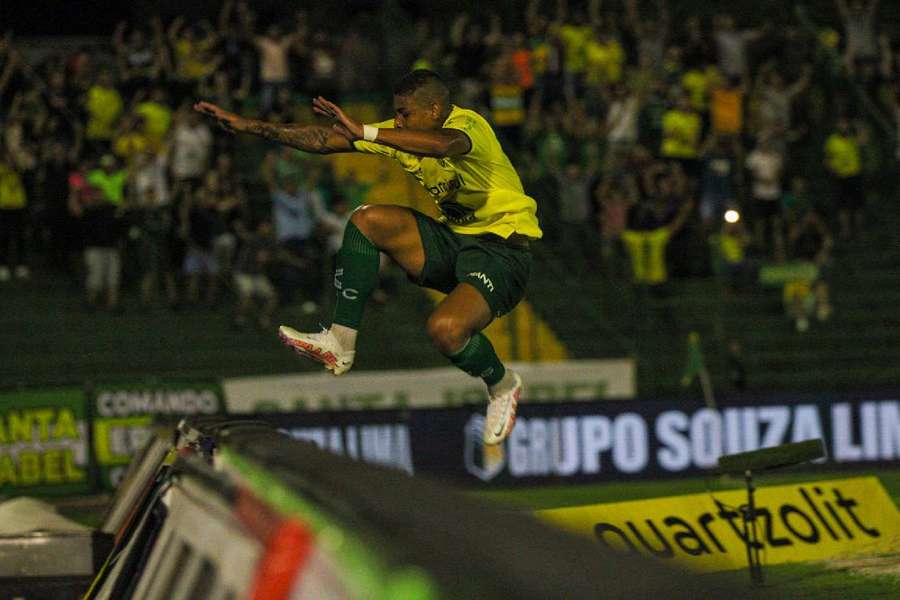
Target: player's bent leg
(455,328)
(461,314)
(371,230)
(394,231)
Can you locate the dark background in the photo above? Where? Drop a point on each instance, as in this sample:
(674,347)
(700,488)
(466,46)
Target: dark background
(99,17)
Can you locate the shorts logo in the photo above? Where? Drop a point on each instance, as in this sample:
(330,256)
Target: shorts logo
(348,293)
(483,278)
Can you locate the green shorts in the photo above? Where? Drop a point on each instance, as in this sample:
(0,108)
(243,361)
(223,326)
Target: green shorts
(497,268)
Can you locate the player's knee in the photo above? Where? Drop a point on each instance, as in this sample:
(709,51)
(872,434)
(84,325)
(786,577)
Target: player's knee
(383,224)
(448,333)
(369,219)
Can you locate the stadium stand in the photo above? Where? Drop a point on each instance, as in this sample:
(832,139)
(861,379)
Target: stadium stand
(569,81)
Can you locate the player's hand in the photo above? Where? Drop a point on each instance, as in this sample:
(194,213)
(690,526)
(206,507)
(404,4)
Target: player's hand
(228,121)
(344,125)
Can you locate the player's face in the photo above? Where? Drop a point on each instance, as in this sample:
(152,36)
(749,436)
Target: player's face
(412,115)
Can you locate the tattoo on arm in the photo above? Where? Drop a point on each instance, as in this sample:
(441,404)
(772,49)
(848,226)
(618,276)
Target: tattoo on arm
(309,138)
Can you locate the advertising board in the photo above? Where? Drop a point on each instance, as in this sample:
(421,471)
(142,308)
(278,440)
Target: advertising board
(44,443)
(603,440)
(568,381)
(124,414)
(800,522)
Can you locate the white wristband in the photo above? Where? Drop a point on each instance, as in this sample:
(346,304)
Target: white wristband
(370,132)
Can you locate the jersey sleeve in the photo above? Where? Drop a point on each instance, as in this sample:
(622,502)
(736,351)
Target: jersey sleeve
(375,147)
(477,130)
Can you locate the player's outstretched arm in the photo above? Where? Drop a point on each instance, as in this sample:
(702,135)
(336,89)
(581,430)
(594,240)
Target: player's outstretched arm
(437,143)
(422,142)
(319,139)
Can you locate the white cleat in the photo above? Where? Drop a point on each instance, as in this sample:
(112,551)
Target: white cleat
(320,347)
(501,413)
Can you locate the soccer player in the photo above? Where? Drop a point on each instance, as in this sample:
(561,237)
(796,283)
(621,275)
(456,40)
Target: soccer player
(476,252)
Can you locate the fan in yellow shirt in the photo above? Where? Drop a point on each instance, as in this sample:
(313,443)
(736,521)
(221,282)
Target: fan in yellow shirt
(130,140)
(477,252)
(844,160)
(104,107)
(699,82)
(842,154)
(574,37)
(157,118)
(13,220)
(604,58)
(12,192)
(647,249)
(681,131)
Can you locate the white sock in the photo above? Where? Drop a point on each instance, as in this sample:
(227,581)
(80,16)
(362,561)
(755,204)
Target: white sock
(346,336)
(504,384)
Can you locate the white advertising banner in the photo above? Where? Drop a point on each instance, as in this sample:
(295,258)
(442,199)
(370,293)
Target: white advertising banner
(573,380)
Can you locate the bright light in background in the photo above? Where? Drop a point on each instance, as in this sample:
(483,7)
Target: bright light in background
(732,216)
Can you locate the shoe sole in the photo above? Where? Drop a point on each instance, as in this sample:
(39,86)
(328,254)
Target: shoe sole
(309,351)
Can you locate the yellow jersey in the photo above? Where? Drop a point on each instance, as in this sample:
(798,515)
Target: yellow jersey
(574,39)
(157,120)
(130,144)
(698,83)
(647,250)
(842,154)
(104,105)
(191,59)
(731,247)
(681,134)
(476,192)
(12,192)
(604,62)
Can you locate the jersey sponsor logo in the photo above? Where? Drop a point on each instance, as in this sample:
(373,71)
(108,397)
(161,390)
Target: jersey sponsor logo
(483,278)
(444,188)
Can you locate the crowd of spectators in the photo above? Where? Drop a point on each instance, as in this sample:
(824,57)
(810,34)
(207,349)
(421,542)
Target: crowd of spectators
(635,133)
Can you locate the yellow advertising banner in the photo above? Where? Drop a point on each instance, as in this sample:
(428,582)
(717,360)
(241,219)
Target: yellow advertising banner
(799,522)
(44,442)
